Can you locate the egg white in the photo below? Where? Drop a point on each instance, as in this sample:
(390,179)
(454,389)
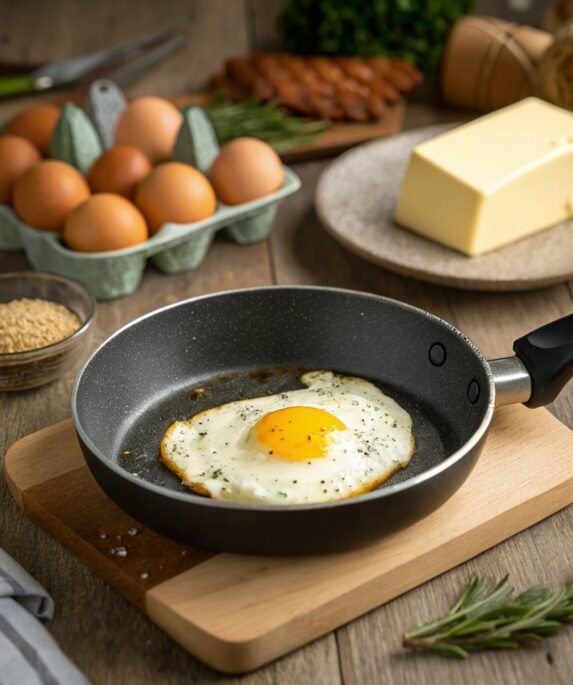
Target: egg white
(217,452)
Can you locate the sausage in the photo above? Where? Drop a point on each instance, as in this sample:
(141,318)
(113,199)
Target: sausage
(338,88)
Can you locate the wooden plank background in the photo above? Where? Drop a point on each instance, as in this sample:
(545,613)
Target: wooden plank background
(108,639)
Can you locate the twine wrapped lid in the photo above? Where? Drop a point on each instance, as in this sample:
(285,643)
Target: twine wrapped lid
(490,63)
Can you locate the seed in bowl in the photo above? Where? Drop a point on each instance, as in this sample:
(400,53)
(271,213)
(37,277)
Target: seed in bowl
(47,193)
(105,222)
(28,324)
(175,192)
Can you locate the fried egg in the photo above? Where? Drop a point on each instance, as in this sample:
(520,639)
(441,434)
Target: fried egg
(338,437)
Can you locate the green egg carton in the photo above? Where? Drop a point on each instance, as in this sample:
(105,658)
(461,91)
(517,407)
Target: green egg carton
(79,140)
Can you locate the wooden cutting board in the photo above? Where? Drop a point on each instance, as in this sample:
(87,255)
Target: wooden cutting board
(338,137)
(239,612)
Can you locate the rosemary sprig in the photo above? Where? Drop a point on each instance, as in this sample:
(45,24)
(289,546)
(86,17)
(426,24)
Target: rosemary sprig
(489,616)
(266,121)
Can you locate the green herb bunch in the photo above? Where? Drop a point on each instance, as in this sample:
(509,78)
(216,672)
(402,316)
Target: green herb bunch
(489,616)
(412,29)
(267,121)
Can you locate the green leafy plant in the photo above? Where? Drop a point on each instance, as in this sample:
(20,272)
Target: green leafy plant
(489,616)
(412,29)
(267,121)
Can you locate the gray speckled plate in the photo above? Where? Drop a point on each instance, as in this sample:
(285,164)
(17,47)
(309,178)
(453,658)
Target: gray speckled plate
(355,201)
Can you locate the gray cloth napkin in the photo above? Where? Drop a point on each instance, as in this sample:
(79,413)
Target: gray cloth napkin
(28,653)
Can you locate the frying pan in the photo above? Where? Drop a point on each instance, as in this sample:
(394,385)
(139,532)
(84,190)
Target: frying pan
(255,342)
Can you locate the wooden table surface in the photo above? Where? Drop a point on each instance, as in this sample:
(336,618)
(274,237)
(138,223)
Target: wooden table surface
(106,637)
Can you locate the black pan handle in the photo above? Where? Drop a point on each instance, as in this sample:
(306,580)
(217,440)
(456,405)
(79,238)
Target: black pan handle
(547,354)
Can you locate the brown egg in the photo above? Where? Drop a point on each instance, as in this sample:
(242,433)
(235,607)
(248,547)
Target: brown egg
(245,169)
(47,193)
(105,222)
(119,170)
(36,124)
(175,192)
(17,155)
(150,124)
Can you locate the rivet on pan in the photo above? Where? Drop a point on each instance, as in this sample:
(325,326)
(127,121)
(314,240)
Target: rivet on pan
(473,391)
(437,354)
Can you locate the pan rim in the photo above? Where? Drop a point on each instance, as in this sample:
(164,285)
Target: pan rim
(387,491)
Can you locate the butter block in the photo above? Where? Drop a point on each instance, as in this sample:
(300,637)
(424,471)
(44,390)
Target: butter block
(493,181)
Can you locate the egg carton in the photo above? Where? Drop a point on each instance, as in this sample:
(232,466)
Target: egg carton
(79,139)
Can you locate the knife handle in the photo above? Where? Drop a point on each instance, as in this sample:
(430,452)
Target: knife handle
(16,85)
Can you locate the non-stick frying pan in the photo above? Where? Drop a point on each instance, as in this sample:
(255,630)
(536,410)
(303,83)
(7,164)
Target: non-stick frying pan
(255,342)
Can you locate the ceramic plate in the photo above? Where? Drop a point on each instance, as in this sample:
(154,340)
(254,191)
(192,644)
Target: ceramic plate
(356,198)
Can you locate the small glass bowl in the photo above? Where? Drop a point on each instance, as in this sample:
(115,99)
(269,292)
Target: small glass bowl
(31,368)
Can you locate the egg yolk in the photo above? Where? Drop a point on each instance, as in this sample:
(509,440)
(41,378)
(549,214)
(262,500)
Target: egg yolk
(297,433)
